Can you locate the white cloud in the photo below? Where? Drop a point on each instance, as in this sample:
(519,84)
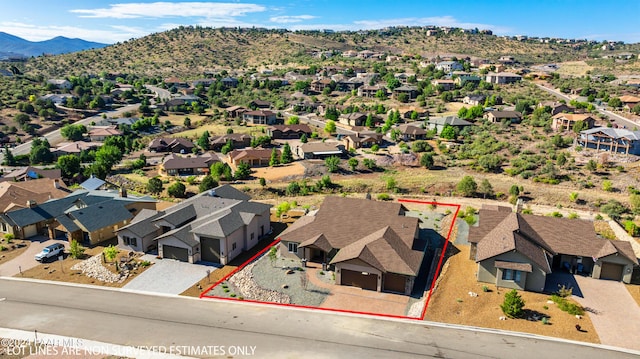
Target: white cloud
(291,19)
(40,33)
(168,9)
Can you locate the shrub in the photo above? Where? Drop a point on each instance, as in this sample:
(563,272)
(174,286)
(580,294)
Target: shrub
(144,264)
(485,288)
(384,197)
(513,304)
(75,249)
(545,321)
(566,306)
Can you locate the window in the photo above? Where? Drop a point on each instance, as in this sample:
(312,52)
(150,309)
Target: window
(233,247)
(510,274)
(131,241)
(293,247)
(252,236)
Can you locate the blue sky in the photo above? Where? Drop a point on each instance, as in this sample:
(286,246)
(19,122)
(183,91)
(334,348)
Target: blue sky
(118,20)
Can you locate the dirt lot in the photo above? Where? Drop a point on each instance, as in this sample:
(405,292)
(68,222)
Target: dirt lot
(11,249)
(634,290)
(451,303)
(62,272)
(278,173)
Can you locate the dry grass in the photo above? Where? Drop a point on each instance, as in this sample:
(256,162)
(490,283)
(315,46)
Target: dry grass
(574,68)
(12,250)
(61,270)
(218,129)
(604,229)
(451,303)
(280,172)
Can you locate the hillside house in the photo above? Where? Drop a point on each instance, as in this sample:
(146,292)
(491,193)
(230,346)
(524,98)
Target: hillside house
(566,121)
(616,140)
(259,117)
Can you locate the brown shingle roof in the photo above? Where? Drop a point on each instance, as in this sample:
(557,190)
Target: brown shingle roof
(177,162)
(251,153)
(292,128)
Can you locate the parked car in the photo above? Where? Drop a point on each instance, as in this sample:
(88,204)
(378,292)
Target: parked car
(48,252)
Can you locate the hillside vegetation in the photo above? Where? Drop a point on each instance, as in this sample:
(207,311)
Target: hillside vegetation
(192,51)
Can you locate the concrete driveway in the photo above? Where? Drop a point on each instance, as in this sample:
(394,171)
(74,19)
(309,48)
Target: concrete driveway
(613,312)
(168,276)
(25,260)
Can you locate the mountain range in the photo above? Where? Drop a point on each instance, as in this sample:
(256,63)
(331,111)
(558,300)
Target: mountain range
(13,46)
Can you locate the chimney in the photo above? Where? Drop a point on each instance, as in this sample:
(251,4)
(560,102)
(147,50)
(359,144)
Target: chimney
(123,192)
(56,183)
(31,203)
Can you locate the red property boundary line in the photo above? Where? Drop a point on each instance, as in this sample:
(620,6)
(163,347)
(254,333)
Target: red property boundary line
(275,242)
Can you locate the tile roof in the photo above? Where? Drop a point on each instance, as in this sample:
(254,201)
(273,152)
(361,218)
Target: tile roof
(573,116)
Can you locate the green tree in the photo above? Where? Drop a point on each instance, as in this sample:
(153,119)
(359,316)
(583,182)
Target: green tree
(613,209)
(490,162)
(273,255)
(513,304)
(486,188)
(203,141)
(615,102)
(332,163)
(154,185)
(176,190)
(369,164)
(353,163)
(207,183)
(607,186)
(40,152)
(421,146)
(263,181)
(110,253)
(634,200)
(369,122)
(243,171)
(9,159)
(573,196)
(274,160)
(303,138)
(76,250)
(514,190)
(426,160)
(187,122)
(286,156)
(592,165)
(73,132)
(448,132)
(467,186)
(330,127)
(69,165)
(293,120)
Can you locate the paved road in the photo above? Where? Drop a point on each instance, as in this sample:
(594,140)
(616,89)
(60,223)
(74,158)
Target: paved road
(161,94)
(135,319)
(55,137)
(619,119)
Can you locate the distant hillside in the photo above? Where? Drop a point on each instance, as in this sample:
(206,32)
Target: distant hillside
(190,52)
(13,46)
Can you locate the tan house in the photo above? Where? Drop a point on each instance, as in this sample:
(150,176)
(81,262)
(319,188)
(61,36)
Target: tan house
(372,251)
(353,119)
(288,131)
(566,121)
(259,117)
(362,139)
(190,165)
(371,91)
(100,133)
(628,102)
(446,85)
(518,251)
(255,157)
(499,116)
(502,78)
(412,132)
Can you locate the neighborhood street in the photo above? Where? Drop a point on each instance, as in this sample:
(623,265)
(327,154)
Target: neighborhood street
(133,319)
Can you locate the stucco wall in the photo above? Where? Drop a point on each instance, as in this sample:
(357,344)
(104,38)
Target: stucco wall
(227,254)
(533,281)
(618,259)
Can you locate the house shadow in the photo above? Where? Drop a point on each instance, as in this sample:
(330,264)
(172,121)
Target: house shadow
(560,278)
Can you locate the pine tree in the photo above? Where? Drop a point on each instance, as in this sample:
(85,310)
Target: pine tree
(286,156)
(274,161)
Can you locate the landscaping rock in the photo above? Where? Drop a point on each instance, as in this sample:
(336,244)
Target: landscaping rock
(247,287)
(93,268)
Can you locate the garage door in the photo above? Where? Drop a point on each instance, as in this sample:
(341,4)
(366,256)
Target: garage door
(171,252)
(210,249)
(394,282)
(611,271)
(357,279)
(30,231)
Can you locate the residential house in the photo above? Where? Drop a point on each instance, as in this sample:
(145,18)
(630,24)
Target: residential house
(557,107)
(57,99)
(462,80)
(518,251)
(371,91)
(100,133)
(255,104)
(30,173)
(320,85)
(628,102)
(439,123)
(259,117)
(411,132)
(215,227)
(175,82)
(353,119)
(319,150)
(238,140)
(229,82)
(175,145)
(410,91)
(502,78)
(18,195)
(499,116)
(611,139)
(235,111)
(350,84)
(60,84)
(446,85)
(449,66)
(191,165)
(74,148)
(89,217)
(254,157)
(362,139)
(566,121)
(289,131)
(373,252)
(474,99)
